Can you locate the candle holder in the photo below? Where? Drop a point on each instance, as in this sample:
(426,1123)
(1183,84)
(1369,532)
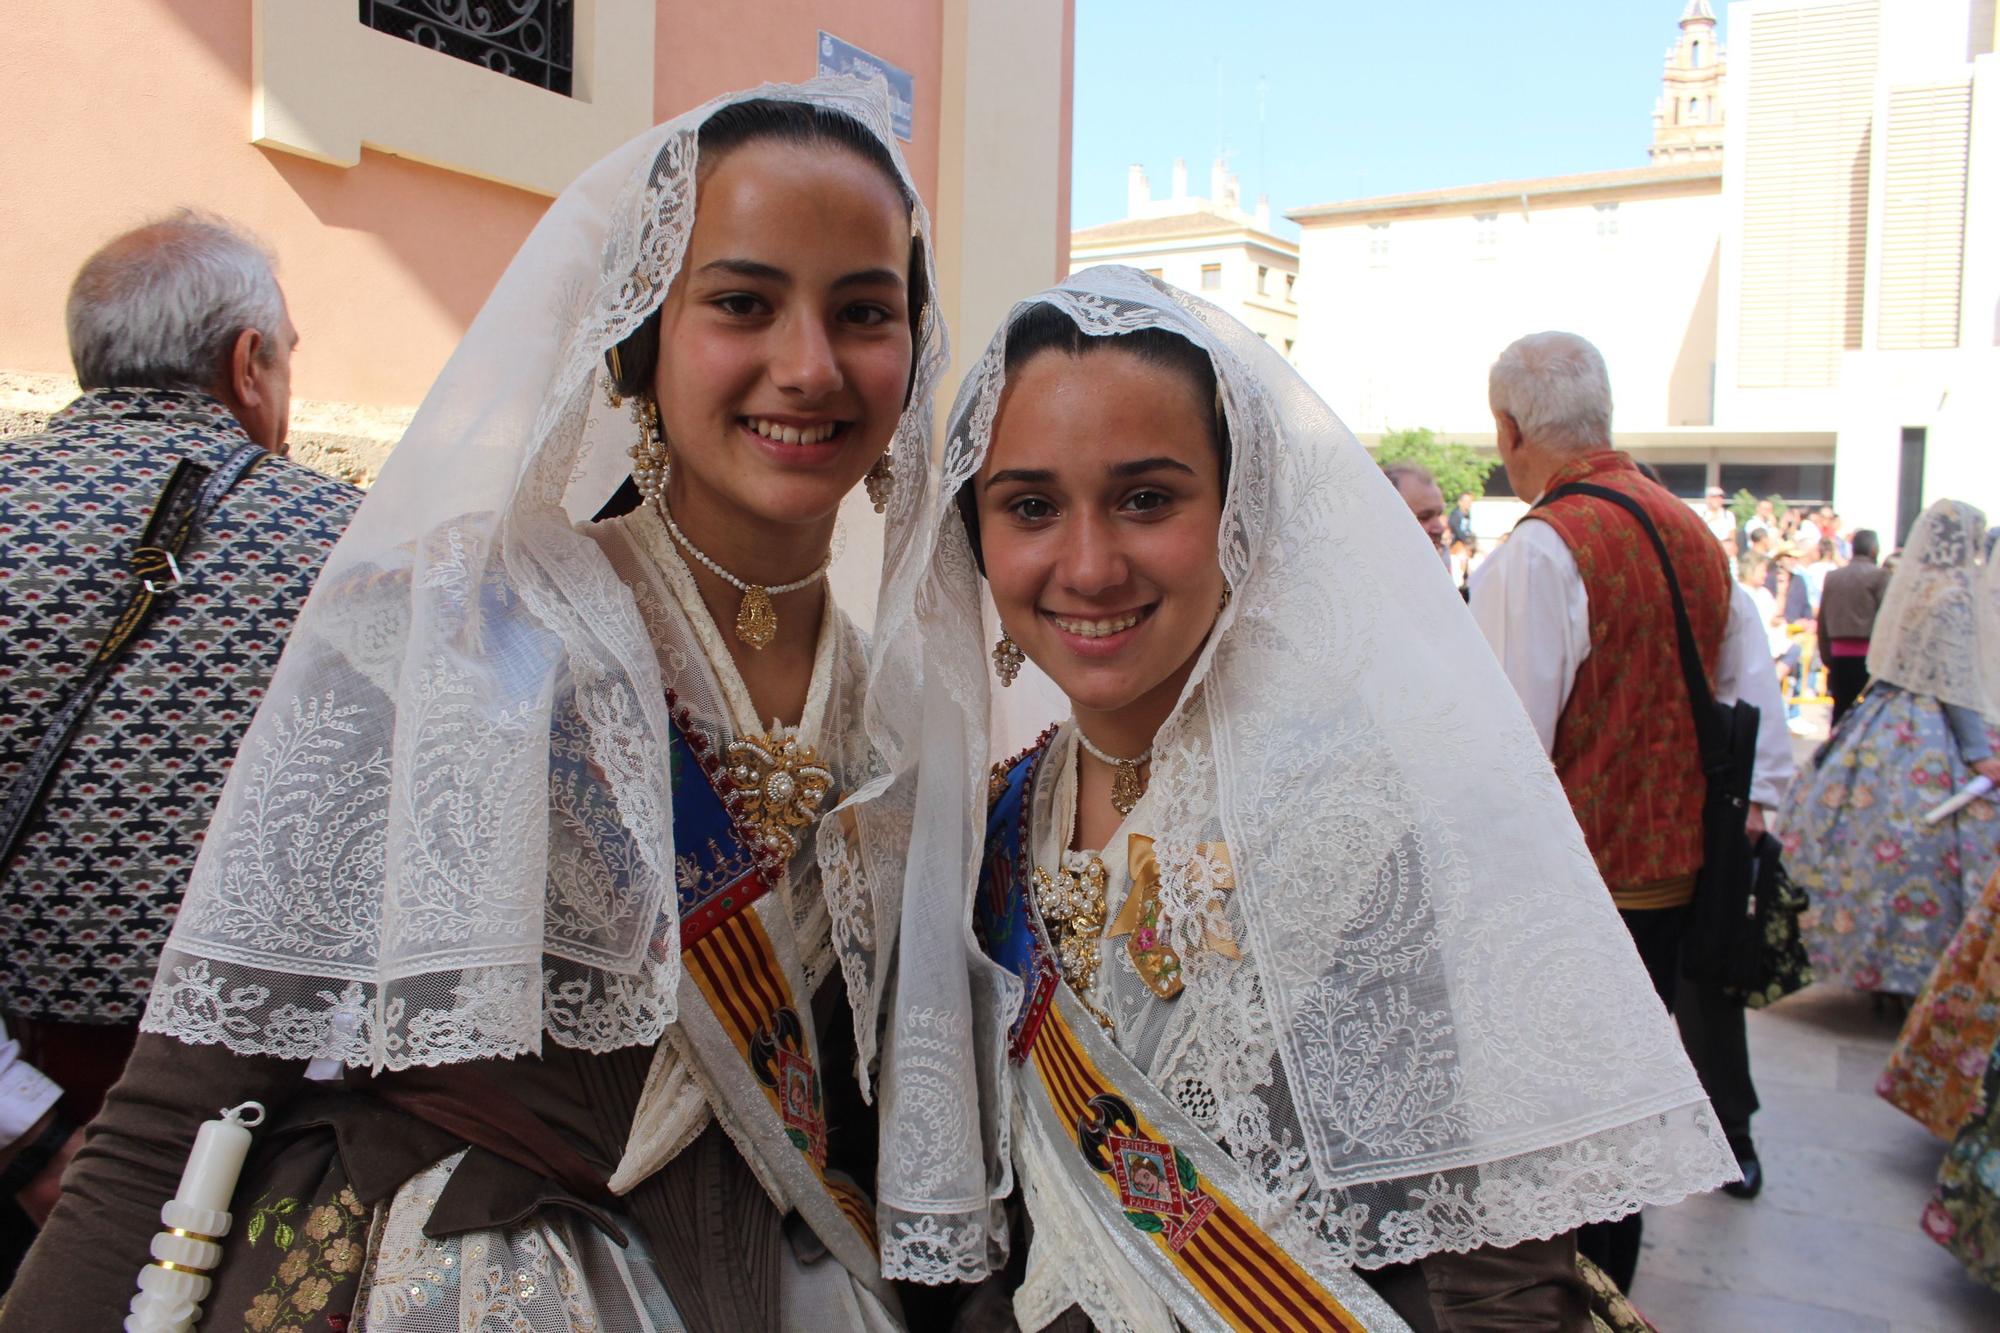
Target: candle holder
(173,1286)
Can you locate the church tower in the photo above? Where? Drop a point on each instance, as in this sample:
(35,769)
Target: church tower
(1687,120)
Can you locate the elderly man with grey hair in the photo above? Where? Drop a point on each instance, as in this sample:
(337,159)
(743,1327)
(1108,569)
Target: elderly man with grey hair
(144,615)
(1577,608)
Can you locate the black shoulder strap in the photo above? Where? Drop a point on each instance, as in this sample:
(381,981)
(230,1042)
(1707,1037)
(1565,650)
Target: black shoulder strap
(191,494)
(1707,726)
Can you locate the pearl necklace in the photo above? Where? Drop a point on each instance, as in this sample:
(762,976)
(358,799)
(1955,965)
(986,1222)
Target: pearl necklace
(1126,784)
(756,618)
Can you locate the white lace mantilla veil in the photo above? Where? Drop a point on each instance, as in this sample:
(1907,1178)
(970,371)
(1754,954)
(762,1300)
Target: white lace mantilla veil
(1467,1049)
(392,876)
(1938,632)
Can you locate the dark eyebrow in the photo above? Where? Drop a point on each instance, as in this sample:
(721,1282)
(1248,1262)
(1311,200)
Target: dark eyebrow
(1037,476)
(758,271)
(748,268)
(1140,467)
(870,277)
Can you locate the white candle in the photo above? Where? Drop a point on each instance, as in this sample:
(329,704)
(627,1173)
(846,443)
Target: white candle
(172,1287)
(214,1165)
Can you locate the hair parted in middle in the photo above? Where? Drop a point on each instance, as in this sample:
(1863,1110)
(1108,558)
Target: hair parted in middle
(768,120)
(1045,328)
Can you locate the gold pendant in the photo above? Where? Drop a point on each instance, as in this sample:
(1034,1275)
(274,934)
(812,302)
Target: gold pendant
(778,786)
(756,618)
(1127,787)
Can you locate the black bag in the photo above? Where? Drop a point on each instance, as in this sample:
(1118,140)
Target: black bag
(1721,945)
(1781,964)
(186,501)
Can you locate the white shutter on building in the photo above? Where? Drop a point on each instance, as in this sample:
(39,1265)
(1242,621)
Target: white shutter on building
(1805,196)
(1923,216)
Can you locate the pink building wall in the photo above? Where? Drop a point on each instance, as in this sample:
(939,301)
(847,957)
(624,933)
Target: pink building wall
(122,111)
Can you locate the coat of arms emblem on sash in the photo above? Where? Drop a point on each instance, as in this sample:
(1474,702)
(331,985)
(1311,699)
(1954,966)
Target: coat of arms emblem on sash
(1157,1184)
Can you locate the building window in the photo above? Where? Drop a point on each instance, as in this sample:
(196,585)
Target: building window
(1694,111)
(1288,349)
(1378,244)
(1486,234)
(529,40)
(1607,219)
(1263,280)
(1211,277)
(1290,280)
(1694,55)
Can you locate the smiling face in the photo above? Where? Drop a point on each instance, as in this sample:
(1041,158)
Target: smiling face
(1100,505)
(785,346)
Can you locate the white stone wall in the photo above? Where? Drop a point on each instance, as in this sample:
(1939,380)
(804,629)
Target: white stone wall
(1404,337)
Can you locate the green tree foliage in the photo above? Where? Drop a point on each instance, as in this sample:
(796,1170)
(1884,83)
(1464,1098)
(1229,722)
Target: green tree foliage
(1458,467)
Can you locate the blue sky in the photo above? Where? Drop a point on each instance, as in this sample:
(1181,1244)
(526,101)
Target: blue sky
(1361,99)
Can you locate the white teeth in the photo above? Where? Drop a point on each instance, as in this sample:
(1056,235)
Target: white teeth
(1097,629)
(772,430)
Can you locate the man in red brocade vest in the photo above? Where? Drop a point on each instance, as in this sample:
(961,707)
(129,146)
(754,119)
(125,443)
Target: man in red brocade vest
(1576,607)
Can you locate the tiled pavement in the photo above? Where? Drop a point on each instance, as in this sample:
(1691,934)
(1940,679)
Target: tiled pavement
(1832,1245)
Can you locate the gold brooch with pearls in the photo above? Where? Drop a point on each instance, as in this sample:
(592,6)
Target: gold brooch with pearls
(777,787)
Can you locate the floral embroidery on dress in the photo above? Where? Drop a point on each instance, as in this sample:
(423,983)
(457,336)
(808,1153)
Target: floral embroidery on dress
(322,1251)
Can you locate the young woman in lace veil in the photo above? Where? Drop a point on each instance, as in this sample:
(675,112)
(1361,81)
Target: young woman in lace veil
(1264,997)
(513,887)
(1888,889)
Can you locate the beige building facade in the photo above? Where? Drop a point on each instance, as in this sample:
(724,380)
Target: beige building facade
(1861,290)
(1801,294)
(1206,245)
(395,179)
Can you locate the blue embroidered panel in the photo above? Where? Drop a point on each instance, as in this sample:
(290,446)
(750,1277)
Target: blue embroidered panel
(1002,918)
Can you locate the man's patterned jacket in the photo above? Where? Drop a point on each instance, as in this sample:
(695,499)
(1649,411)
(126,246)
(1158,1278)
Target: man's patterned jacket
(86,906)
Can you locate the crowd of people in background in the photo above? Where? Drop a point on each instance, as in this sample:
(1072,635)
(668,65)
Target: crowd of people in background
(1903,890)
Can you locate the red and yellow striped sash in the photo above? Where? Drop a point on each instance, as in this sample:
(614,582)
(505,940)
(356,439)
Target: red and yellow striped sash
(736,971)
(1240,1271)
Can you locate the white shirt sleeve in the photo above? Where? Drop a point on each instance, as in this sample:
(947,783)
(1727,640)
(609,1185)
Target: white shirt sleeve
(1745,672)
(1530,603)
(26,1094)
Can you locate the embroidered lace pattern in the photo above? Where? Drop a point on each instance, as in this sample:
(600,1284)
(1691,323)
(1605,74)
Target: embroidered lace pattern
(1938,632)
(448,833)
(1438,1035)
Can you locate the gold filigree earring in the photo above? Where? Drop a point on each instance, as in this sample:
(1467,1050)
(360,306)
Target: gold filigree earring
(881,483)
(611,378)
(1007,659)
(651,465)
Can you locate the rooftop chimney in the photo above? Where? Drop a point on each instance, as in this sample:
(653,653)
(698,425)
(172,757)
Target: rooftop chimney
(1218,183)
(1180,179)
(1138,191)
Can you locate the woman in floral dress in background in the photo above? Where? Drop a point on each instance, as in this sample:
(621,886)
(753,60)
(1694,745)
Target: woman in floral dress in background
(1889,890)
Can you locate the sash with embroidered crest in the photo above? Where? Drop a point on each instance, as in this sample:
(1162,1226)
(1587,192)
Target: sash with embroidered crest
(742,1007)
(1164,1190)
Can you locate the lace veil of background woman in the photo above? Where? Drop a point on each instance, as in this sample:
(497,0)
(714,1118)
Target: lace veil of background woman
(453,839)
(1439,1036)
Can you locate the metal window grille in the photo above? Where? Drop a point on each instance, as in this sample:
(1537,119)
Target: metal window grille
(530,40)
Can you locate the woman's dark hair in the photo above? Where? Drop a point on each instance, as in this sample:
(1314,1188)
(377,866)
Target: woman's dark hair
(1045,328)
(809,126)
